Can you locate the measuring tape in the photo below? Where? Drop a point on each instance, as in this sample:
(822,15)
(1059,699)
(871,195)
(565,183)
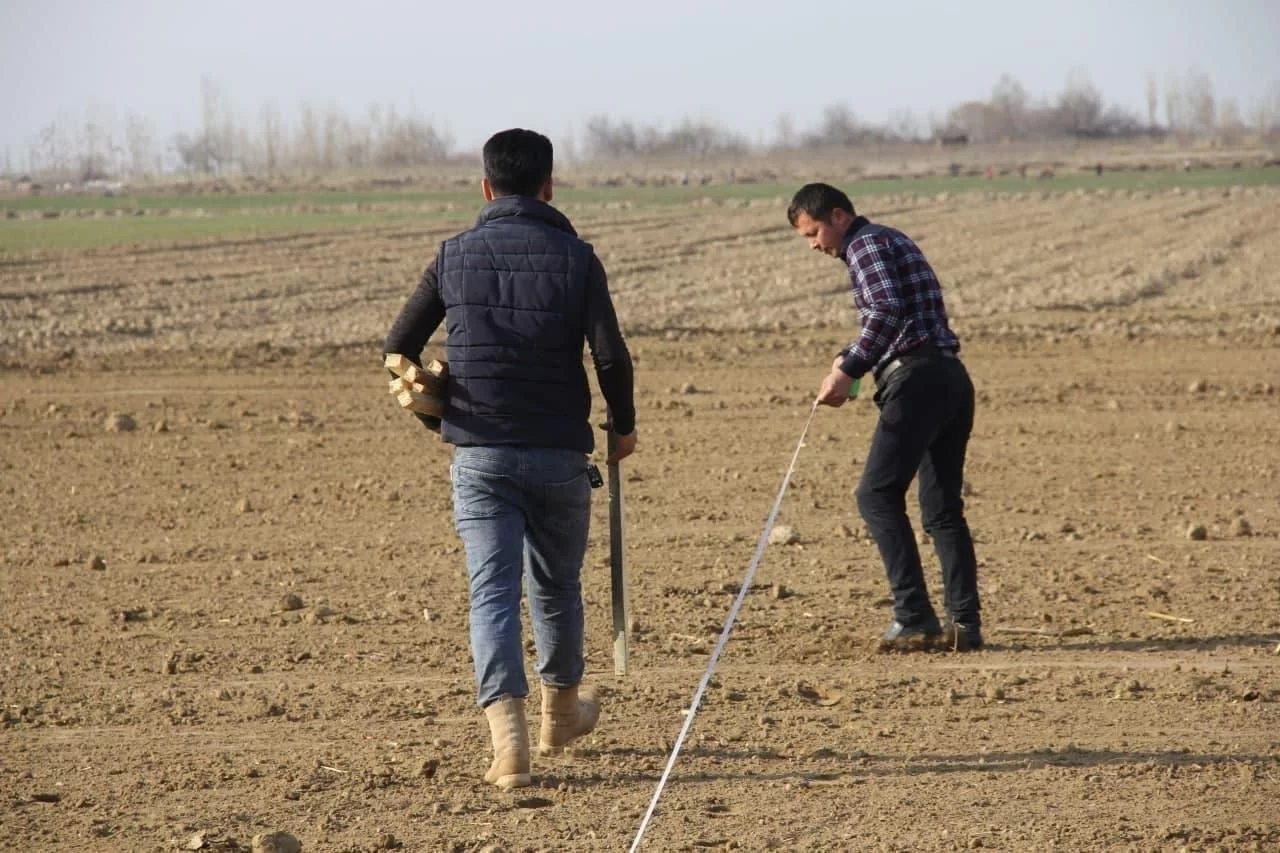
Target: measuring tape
(724,633)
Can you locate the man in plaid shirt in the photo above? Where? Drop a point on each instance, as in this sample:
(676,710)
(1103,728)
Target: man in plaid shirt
(926,404)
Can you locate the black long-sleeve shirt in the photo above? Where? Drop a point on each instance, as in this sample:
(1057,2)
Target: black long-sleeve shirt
(425,311)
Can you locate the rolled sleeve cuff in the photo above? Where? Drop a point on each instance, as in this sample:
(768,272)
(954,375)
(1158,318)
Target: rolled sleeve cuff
(854,365)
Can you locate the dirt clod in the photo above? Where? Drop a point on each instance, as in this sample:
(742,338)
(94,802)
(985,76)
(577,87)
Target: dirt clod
(276,842)
(119,422)
(319,614)
(783,535)
(1240,527)
(385,841)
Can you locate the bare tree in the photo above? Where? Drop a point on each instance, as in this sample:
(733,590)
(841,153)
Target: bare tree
(1266,112)
(1117,122)
(270,117)
(331,135)
(91,163)
(138,141)
(53,149)
(1230,122)
(1202,110)
(116,148)
(249,157)
(974,121)
(784,131)
(411,142)
(1009,108)
(839,127)
(374,122)
(209,155)
(936,124)
(1079,106)
(691,138)
(602,139)
(1153,100)
(567,147)
(307,147)
(905,125)
(1174,108)
(325,138)
(194,154)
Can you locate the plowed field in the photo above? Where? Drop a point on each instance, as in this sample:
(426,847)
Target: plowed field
(158,691)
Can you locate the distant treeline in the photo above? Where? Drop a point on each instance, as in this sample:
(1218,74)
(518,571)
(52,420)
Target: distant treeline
(320,140)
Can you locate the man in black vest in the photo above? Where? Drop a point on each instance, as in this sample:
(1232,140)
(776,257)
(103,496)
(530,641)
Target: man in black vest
(519,294)
(926,403)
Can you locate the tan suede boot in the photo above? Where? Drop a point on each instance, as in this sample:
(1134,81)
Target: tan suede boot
(510,734)
(567,713)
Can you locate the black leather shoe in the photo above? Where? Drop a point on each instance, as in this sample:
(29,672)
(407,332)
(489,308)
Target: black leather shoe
(911,638)
(959,637)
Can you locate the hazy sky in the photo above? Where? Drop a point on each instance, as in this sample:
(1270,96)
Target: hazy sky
(483,65)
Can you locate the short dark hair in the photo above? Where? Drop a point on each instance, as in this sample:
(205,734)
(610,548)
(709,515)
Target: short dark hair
(818,201)
(518,161)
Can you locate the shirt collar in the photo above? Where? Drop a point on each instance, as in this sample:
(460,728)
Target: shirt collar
(527,206)
(854,227)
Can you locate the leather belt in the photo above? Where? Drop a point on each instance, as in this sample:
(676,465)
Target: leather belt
(919,353)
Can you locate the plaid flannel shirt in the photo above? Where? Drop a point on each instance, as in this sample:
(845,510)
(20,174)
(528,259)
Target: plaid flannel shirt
(897,295)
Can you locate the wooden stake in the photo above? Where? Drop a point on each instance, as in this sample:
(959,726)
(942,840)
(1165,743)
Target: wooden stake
(1166,617)
(418,389)
(403,384)
(434,373)
(398,363)
(421,403)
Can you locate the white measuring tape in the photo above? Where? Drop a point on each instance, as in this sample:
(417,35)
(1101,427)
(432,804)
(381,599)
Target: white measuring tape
(724,633)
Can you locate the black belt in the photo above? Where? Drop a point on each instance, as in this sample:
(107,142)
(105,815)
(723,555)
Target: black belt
(918,354)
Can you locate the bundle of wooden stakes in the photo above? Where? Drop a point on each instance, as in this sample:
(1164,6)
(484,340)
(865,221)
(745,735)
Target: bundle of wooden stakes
(419,389)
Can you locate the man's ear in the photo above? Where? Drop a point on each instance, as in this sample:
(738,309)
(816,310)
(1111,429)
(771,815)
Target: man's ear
(486,189)
(546,192)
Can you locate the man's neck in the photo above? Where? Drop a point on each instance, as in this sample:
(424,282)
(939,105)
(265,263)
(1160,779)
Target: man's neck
(854,225)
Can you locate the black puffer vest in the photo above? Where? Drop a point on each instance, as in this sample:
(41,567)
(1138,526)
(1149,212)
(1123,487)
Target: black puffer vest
(514,289)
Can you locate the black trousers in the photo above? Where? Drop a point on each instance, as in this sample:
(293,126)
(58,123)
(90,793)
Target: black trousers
(926,416)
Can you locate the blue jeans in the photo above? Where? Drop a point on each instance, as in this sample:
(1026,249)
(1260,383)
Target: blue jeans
(523,512)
